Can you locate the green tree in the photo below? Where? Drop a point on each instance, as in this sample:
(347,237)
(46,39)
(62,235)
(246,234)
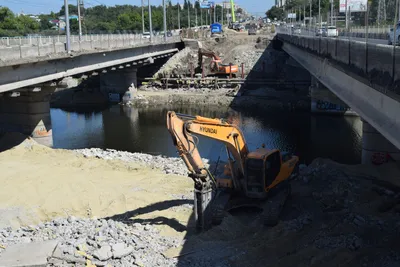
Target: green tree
(276,12)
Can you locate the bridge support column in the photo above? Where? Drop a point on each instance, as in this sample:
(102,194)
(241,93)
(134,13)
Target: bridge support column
(119,85)
(376,149)
(27,111)
(324,101)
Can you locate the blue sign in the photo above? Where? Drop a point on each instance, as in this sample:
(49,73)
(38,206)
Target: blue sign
(206,4)
(216,28)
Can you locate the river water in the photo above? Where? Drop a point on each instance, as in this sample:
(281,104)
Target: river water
(144,130)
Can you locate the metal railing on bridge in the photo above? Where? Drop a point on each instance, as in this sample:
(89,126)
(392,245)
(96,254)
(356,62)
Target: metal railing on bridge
(14,48)
(378,64)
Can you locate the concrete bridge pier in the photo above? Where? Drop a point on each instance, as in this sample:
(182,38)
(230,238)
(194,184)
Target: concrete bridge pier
(27,111)
(120,84)
(376,149)
(324,101)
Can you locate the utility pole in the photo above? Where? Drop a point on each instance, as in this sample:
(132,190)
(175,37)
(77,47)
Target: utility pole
(165,20)
(346,13)
(201,16)
(179,16)
(222,14)
(142,16)
(150,23)
(215,19)
(189,14)
(79,20)
(67,44)
(332,12)
(310,21)
(319,13)
(195,13)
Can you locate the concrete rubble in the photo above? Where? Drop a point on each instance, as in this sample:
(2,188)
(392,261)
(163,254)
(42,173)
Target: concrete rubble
(75,242)
(331,214)
(166,164)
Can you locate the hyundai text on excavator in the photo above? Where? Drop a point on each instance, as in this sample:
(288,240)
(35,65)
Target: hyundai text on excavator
(257,178)
(216,66)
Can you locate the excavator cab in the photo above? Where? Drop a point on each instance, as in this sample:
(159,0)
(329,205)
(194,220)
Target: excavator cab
(264,169)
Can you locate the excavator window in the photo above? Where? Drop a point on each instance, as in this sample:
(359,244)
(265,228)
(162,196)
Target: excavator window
(254,174)
(272,167)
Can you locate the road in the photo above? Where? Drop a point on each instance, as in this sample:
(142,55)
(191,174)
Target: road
(370,41)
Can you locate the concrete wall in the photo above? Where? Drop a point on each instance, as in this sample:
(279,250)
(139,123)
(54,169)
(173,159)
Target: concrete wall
(376,63)
(378,108)
(12,77)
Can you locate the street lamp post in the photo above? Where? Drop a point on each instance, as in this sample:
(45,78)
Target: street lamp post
(150,23)
(79,20)
(165,21)
(189,14)
(142,16)
(319,13)
(67,43)
(179,16)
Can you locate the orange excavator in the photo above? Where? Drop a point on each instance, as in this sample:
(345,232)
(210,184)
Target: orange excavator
(258,178)
(216,66)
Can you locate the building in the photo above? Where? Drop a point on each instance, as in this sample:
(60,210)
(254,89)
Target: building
(280,3)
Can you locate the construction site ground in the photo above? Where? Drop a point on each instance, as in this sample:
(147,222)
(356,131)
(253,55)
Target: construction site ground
(114,208)
(337,215)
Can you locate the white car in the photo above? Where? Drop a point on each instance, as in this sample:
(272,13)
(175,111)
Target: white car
(146,35)
(331,31)
(397,35)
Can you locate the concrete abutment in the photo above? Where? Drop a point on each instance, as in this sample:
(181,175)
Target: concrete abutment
(376,149)
(27,111)
(119,85)
(324,101)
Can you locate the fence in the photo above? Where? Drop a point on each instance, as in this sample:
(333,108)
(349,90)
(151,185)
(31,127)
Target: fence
(378,64)
(374,33)
(14,48)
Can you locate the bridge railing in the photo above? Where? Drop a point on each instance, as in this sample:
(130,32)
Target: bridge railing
(380,33)
(378,64)
(30,47)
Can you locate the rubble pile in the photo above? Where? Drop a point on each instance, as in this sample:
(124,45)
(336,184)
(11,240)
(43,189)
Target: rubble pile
(166,164)
(179,65)
(97,241)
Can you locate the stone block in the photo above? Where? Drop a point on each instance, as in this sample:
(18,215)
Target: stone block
(342,50)
(358,57)
(28,254)
(380,65)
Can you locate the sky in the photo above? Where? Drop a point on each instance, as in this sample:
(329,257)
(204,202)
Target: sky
(256,7)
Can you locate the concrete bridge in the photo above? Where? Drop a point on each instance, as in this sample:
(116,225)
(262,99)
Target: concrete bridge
(27,83)
(365,76)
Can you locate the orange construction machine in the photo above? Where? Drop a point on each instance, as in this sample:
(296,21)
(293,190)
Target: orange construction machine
(216,66)
(251,177)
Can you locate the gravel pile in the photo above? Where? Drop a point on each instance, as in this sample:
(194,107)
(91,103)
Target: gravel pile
(179,64)
(102,242)
(249,58)
(166,164)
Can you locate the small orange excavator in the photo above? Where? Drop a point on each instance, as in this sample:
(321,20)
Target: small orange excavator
(216,66)
(258,178)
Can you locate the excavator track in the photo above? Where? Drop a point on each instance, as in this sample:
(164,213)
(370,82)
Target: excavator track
(273,206)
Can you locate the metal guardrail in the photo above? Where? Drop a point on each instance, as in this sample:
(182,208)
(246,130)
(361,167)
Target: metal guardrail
(41,40)
(30,47)
(377,33)
(378,64)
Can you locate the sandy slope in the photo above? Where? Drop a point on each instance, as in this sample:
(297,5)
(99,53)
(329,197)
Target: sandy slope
(38,183)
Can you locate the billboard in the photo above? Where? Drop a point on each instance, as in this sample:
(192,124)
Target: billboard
(291,15)
(353,5)
(206,4)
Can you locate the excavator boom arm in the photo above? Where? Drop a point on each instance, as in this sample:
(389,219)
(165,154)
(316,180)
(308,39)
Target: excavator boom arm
(181,128)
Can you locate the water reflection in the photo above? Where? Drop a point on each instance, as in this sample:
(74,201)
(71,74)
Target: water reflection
(144,130)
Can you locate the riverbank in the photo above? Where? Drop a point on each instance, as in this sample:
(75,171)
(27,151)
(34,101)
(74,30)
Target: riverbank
(124,209)
(256,99)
